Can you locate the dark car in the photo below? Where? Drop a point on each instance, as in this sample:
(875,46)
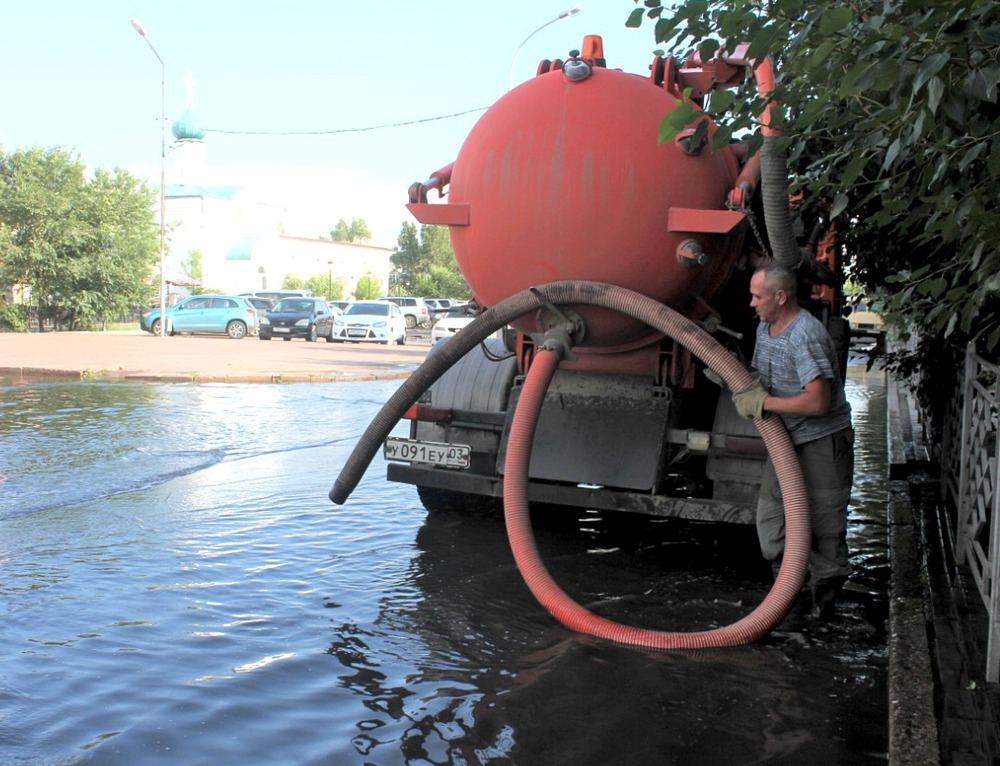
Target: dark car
(307,318)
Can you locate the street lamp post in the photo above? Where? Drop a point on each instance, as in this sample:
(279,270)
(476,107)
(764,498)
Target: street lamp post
(329,278)
(564,15)
(163,175)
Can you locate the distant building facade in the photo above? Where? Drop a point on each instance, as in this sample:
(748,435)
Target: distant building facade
(241,238)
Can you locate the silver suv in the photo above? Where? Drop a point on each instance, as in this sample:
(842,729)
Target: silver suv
(414,310)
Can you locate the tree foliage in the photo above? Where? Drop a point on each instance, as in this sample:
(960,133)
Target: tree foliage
(192,267)
(424,264)
(82,250)
(356,231)
(320,284)
(369,288)
(890,116)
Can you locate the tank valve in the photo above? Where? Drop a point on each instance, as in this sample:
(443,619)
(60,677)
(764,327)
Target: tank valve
(691,255)
(575,68)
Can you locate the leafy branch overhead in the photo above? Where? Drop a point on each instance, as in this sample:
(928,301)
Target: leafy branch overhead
(891,119)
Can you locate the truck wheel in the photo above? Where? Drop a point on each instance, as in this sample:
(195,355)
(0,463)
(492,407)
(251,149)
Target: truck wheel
(446,501)
(411,321)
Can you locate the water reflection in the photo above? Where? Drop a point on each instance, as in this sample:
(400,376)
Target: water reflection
(472,670)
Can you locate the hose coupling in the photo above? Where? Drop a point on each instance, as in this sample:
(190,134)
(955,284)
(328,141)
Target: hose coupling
(560,328)
(556,341)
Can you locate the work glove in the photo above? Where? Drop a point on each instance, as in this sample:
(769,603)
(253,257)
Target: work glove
(750,402)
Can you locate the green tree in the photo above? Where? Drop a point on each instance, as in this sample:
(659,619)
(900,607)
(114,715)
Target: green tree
(889,116)
(424,264)
(322,284)
(369,288)
(191,267)
(292,282)
(407,261)
(83,250)
(357,231)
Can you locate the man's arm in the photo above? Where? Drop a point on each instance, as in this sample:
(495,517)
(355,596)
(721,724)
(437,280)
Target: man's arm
(814,401)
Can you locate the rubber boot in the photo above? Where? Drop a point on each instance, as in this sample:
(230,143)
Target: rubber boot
(824,598)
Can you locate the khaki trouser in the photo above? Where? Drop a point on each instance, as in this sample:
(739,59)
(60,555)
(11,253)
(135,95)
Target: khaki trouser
(828,469)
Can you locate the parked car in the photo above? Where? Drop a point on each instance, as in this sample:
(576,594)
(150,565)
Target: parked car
(342,305)
(276,295)
(372,321)
(308,318)
(263,305)
(229,314)
(863,320)
(414,310)
(434,311)
(440,306)
(453,321)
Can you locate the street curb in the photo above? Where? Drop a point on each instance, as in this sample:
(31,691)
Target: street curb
(913,726)
(136,376)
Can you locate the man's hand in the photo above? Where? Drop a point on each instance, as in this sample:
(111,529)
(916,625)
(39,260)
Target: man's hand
(750,402)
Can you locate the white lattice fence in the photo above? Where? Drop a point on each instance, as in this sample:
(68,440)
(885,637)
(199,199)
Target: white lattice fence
(977,492)
(950,453)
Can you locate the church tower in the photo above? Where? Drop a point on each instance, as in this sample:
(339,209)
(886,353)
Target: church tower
(189,147)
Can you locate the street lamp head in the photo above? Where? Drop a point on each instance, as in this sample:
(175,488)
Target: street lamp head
(138,27)
(563,15)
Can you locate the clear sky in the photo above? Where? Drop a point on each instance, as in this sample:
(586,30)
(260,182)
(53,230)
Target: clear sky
(78,76)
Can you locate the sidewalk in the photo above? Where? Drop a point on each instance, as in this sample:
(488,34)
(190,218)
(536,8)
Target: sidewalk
(141,357)
(941,710)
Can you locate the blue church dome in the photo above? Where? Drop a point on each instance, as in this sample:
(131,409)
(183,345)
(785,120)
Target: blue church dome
(187,128)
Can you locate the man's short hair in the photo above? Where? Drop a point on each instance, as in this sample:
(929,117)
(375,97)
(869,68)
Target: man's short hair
(778,277)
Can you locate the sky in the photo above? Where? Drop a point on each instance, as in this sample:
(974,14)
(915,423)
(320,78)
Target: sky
(78,76)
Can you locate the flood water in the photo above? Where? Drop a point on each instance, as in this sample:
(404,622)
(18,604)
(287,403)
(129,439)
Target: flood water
(176,588)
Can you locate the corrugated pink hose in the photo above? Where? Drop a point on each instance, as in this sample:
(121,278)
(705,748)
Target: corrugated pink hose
(798,532)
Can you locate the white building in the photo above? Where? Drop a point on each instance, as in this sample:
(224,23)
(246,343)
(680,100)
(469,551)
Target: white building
(241,238)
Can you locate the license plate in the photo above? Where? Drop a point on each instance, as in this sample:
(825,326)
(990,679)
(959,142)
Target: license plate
(281,329)
(351,333)
(429,453)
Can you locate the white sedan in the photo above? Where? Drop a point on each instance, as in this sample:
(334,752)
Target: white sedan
(452,322)
(370,321)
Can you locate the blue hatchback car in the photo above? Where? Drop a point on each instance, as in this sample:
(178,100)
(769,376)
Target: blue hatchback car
(229,314)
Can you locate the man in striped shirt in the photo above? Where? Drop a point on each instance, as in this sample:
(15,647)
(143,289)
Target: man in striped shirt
(800,381)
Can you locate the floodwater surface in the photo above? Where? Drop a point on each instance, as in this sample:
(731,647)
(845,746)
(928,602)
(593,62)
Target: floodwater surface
(177,589)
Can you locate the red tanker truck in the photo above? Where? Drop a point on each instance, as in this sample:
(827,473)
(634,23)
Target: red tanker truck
(612,269)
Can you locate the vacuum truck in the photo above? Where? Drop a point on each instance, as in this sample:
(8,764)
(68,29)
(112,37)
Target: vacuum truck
(615,267)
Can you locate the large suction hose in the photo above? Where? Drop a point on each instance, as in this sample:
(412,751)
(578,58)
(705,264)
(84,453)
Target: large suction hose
(798,529)
(774,175)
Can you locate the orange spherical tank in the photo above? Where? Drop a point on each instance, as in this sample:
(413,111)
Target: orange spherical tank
(566,179)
